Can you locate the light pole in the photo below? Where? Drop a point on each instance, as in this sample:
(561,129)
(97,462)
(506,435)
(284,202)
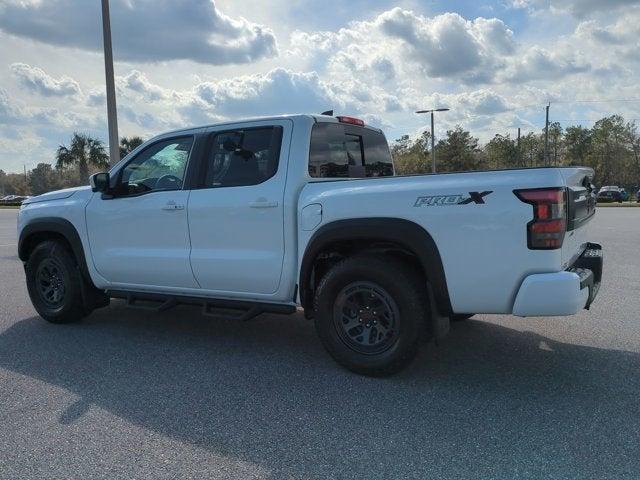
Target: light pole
(112,116)
(433,143)
(546,136)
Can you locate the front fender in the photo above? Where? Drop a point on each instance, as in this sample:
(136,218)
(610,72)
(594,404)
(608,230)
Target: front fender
(38,227)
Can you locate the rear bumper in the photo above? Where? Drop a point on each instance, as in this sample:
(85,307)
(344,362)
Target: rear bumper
(562,293)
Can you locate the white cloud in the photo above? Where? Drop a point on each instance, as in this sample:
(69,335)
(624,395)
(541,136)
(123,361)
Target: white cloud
(618,40)
(97,97)
(16,113)
(400,45)
(593,31)
(36,80)
(448,45)
(194,30)
(154,108)
(9,112)
(481,102)
(540,64)
(277,91)
(485,103)
(443,46)
(578,8)
(138,82)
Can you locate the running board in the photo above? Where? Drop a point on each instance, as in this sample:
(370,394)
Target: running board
(211,307)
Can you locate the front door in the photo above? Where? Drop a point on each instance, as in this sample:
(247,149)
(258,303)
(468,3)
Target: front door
(140,237)
(236,217)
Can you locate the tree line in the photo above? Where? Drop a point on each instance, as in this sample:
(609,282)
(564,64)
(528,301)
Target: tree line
(74,163)
(611,147)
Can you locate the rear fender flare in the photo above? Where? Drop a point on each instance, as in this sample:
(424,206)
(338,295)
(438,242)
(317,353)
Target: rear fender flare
(407,234)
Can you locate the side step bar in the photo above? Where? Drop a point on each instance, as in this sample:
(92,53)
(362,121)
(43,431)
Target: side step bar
(217,308)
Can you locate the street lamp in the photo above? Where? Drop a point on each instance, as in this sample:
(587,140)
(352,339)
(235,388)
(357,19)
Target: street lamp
(433,145)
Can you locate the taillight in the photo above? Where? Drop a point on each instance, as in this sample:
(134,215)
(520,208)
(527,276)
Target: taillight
(546,230)
(351,120)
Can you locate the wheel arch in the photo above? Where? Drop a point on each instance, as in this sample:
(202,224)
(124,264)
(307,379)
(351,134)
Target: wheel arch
(405,234)
(48,228)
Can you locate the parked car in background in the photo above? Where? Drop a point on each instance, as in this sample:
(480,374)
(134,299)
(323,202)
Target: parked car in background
(638,196)
(624,195)
(13,200)
(610,194)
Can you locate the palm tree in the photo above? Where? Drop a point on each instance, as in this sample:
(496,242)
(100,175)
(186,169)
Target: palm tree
(83,152)
(129,144)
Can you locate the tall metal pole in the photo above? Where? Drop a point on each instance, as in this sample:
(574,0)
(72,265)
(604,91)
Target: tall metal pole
(518,148)
(112,115)
(546,137)
(26,180)
(433,143)
(433,148)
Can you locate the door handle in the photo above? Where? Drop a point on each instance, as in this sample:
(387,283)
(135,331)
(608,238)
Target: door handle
(171,205)
(263,204)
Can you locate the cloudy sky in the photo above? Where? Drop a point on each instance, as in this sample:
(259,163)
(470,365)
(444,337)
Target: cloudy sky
(192,62)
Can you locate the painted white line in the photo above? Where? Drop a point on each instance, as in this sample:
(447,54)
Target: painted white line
(9,245)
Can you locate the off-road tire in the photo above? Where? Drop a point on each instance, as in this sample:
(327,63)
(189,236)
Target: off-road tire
(56,256)
(408,294)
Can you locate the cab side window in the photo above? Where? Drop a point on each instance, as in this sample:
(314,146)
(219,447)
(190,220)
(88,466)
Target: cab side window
(161,166)
(243,157)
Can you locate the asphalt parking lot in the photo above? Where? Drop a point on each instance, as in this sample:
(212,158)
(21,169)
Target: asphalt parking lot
(129,394)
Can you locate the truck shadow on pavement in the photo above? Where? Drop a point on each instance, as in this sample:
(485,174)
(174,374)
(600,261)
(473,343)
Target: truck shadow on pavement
(492,402)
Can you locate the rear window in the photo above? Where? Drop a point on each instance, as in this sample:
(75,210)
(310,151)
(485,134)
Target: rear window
(347,151)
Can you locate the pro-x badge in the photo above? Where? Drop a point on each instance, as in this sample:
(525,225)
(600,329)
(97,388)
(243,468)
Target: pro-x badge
(448,200)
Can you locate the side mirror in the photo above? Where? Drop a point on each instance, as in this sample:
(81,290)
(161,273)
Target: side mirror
(99,182)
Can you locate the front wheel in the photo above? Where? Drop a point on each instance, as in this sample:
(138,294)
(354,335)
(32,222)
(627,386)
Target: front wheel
(54,283)
(370,314)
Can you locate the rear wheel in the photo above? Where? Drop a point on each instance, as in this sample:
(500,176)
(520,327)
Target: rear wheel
(370,314)
(54,283)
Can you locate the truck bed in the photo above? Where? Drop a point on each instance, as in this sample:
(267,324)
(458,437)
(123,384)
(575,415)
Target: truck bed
(475,219)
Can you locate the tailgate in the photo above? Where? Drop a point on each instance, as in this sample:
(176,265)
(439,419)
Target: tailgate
(581,207)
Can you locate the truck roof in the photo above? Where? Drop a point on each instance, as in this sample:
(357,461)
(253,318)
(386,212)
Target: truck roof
(294,117)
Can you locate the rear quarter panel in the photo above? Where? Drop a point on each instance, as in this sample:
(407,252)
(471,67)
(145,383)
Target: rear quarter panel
(483,246)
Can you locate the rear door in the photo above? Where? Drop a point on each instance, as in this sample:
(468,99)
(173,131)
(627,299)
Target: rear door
(581,207)
(236,215)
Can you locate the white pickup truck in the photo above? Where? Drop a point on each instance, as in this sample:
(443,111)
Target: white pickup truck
(272,214)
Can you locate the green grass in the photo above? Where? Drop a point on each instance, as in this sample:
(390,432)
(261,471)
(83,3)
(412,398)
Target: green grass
(9,206)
